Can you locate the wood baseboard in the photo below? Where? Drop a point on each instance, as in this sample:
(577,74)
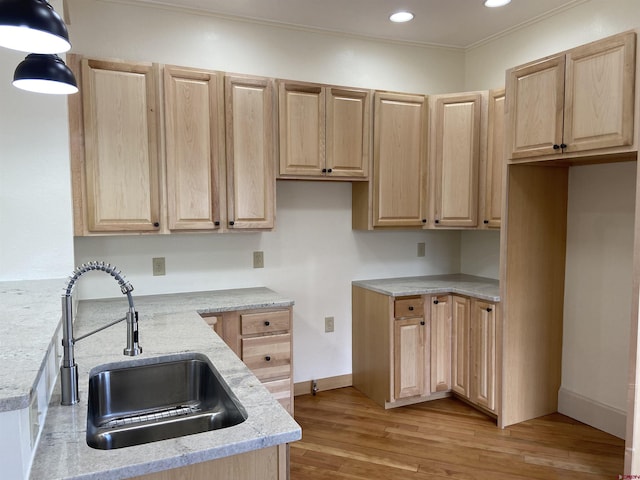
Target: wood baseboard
(330,383)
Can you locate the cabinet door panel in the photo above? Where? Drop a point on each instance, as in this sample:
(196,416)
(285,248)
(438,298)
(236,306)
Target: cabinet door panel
(409,357)
(483,332)
(399,159)
(250,152)
(348,126)
(268,357)
(120,113)
(535,105)
(457,158)
(492,195)
(441,343)
(194,109)
(302,129)
(599,92)
(460,346)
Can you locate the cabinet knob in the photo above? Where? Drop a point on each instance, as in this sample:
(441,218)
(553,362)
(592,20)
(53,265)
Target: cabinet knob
(232,223)
(563,145)
(422,322)
(486,222)
(436,221)
(324,170)
(216,223)
(424,220)
(156,224)
(267,358)
(329,170)
(410,308)
(556,146)
(435,302)
(489,309)
(267,323)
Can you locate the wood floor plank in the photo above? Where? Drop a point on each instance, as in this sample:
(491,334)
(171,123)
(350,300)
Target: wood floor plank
(345,436)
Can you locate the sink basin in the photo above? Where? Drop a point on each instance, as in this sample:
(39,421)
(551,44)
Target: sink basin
(164,397)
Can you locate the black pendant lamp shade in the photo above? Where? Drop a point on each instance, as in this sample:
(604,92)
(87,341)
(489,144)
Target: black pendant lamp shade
(44,74)
(32,26)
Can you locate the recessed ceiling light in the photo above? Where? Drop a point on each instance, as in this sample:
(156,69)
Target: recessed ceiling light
(401,17)
(496,3)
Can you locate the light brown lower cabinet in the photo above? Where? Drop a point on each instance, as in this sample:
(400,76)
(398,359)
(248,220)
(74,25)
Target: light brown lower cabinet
(270,463)
(262,339)
(423,347)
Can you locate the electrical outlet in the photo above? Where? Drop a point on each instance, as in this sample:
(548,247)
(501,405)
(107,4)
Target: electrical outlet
(158,266)
(258,259)
(421,249)
(328,324)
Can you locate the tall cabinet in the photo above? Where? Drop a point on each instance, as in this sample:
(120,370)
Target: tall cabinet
(576,108)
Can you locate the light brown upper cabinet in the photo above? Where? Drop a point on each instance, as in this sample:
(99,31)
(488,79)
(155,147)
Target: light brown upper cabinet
(116,175)
(491,175)
(580,102)
(457,121)
(399,160)
(324,131)
(194,136)
(250,142)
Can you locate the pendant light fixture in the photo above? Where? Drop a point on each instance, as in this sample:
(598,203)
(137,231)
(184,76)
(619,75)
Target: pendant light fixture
(44,73)
(32,26)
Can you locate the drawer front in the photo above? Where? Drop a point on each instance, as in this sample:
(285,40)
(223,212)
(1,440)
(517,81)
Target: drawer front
(281,391)
(268,357)
(409,307)
(265,322)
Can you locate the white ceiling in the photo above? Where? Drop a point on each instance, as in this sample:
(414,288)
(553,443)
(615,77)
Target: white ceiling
(452,23)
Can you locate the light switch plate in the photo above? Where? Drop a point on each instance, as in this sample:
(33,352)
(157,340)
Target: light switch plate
(258,259)
(158,266)
(328,324)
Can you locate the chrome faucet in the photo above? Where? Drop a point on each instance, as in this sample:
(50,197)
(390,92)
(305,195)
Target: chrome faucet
(69,369)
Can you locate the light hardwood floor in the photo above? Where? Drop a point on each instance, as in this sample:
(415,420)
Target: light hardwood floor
(347,436)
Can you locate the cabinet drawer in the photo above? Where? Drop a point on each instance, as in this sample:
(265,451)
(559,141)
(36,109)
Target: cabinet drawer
(268,357)
(409,307)
(281,391)
(265,322)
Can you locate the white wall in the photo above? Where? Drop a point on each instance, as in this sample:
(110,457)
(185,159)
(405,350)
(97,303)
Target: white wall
(597,304)
(35,197)
(313,255)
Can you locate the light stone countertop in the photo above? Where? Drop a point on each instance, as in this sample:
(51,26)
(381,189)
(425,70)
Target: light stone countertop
(169,324)
(469,285)
(30,313)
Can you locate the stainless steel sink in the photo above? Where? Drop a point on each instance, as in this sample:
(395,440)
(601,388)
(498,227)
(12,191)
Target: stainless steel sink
(167,397)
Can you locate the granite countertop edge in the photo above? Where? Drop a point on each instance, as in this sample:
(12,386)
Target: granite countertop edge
(469,285)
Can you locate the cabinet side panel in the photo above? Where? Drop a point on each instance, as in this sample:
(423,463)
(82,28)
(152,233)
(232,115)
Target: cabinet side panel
(533,291)
(371,325)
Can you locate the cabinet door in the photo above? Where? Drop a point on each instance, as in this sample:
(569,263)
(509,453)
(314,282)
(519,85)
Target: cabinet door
(492,193)
(121,150)
(599,90)
(441,343)
(483,334)
(250,142)
(535,103)
(348,126)
(194,112)
(399,160)
(456,127)
(409,339)
(302,129)
(460,345)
